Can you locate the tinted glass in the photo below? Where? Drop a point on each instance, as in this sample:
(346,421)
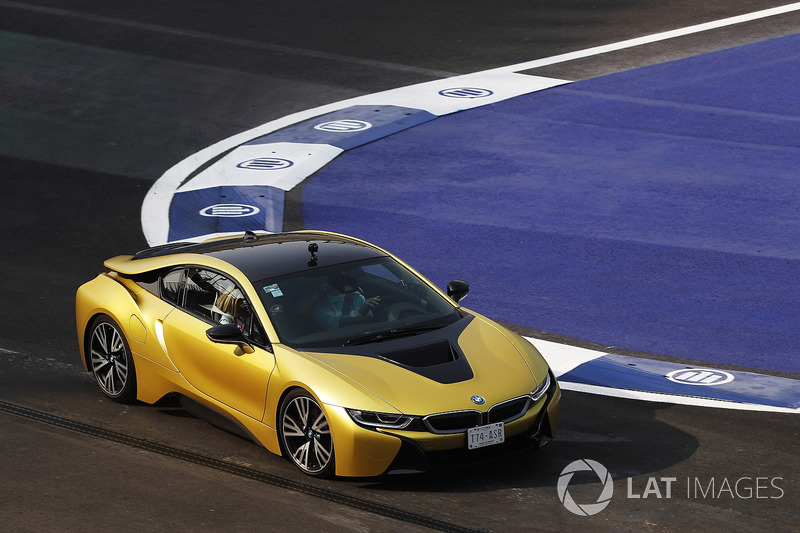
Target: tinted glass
(171,285)
(329,306)
(216,298)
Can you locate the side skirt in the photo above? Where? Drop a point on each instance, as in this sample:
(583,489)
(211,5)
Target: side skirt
(216,418)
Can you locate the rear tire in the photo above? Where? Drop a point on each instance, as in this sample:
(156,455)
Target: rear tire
(110,360)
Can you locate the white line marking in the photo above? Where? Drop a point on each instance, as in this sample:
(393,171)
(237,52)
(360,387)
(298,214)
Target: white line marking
(562,358)
(155,209)
(649,39)
(673,398)
(155,220)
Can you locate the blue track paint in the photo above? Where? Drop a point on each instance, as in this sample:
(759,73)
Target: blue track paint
(237,207)
(655,209)
(350,127)
(631,373)
(225,208)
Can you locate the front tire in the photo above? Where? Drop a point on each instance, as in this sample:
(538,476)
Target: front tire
(111,361)
(305,434)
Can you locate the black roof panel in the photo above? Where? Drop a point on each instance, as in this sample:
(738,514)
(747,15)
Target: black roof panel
(267,256)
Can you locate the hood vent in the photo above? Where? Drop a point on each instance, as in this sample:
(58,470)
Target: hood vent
(437,353)
(439,361)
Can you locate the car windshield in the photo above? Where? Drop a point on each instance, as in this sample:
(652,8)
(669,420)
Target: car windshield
(352,303)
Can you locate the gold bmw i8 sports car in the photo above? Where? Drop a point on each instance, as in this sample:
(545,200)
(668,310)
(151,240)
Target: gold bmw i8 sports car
(321,347)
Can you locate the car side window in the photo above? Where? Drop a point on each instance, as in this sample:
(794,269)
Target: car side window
(171,286)
(204,289)
(217,298)
(255,333)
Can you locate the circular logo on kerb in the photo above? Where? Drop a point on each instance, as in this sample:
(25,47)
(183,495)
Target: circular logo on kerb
(229,210)
(700,376)
(478,400)
(466,92)
(343,126)
(585,509)
(265,163)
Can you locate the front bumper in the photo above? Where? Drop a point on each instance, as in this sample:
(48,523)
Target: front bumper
(367,452)
(534,431)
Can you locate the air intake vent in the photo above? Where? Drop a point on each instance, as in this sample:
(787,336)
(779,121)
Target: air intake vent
(437,353)
(455,422)
(510,410)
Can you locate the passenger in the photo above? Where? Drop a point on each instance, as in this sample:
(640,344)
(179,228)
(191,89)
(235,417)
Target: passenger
(232,308)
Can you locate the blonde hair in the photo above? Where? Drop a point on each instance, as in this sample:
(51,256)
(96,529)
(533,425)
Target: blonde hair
(229,303)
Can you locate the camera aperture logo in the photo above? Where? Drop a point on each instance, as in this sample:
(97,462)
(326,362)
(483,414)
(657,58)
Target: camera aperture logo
(585,509)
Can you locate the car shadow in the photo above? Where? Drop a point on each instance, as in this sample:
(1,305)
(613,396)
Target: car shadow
(625,436)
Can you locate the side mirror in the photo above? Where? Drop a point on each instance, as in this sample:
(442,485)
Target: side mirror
(229,334)
(457,289)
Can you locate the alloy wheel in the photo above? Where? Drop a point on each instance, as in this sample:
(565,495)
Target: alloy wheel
(306,435)
(111,361)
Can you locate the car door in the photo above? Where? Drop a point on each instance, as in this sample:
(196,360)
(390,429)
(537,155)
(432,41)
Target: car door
(222,371)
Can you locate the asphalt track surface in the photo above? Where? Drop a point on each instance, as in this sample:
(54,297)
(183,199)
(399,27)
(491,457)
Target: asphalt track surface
(100,98)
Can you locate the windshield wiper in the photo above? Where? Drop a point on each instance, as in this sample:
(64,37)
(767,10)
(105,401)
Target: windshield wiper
(391,334)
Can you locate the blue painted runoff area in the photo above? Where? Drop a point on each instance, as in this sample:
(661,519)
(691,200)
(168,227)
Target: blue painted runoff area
(654,210)
(350,127)
(225,208)
(631,373)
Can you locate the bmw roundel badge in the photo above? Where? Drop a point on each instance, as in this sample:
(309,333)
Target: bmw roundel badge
(478,400)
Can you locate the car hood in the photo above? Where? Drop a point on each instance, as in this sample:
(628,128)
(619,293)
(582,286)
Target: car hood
(487,364)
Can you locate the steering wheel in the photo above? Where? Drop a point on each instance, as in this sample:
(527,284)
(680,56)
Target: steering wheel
(402,310)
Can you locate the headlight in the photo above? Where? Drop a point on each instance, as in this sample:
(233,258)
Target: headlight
(379,420)
(540,391)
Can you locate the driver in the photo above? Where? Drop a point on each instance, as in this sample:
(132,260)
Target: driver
(342,301)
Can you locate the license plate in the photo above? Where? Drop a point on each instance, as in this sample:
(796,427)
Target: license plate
(485,436)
